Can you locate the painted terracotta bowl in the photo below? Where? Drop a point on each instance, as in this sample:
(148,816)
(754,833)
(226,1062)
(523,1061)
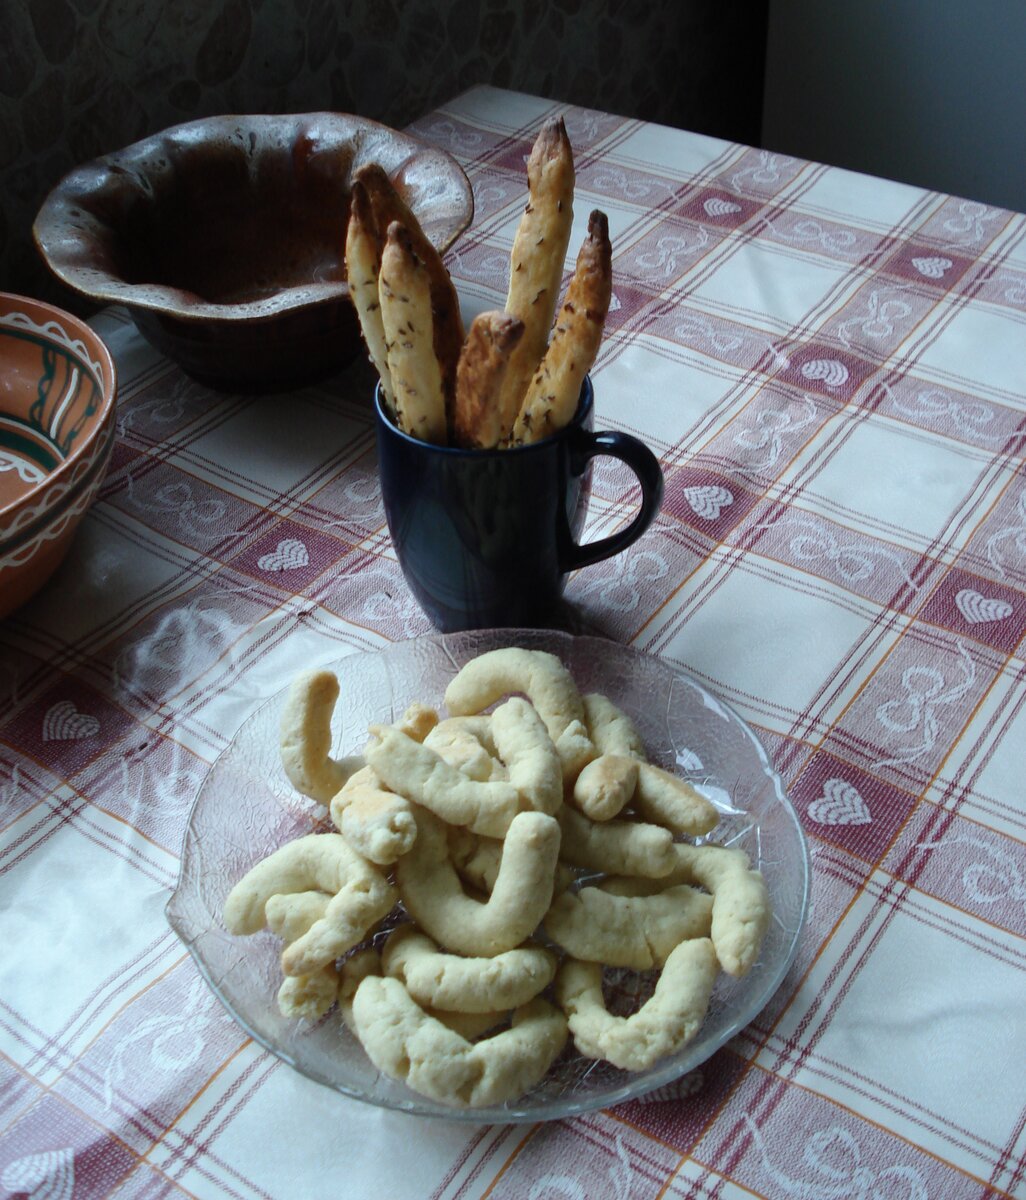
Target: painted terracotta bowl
(57,386)
(225,237)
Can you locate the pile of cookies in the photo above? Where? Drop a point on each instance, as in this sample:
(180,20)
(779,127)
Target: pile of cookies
(515,377)
(512,849)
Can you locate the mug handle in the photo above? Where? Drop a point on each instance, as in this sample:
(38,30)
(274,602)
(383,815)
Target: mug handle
(645,466)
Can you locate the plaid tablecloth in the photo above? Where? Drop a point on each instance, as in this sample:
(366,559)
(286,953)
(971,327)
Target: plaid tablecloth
(832,369)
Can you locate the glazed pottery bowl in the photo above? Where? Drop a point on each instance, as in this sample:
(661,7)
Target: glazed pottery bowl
(225,237)
(57,386)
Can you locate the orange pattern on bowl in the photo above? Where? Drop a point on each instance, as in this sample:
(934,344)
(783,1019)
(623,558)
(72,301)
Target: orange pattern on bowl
(57,388)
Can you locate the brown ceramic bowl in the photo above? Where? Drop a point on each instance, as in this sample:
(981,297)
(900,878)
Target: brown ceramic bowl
(225,237)
(57,387)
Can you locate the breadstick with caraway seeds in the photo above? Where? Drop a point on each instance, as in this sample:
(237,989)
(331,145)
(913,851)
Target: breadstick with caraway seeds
(447,324)
(537,260)
(552,395)
(484,364)
(405,295)
(363,263)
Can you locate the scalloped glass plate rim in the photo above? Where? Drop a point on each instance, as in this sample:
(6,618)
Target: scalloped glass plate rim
(636,1086)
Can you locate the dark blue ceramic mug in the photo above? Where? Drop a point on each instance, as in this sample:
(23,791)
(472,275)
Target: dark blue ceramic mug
(486,538)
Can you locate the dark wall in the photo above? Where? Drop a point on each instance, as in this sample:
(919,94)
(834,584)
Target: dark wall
(79,78)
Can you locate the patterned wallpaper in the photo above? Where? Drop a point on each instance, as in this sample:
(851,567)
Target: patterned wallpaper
(79,78)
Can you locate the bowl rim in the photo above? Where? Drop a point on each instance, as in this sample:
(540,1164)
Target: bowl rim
(56,245)
(82,339)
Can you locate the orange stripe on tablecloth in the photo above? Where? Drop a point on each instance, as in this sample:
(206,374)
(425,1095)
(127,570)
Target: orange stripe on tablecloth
(1003,1161)
(942,814)
(52,1049)
(276,602)
(179,444)
(461,1159)
(936,1125)
(1016,704)
(87,1075)
(91,832)
(47,1089)
(585,1127)
(761,1044)
(189,1157)
(943,817)
(510,1158)
(884,622)
(994,464)
(833,447)
(938,1158)
(801,1052)
(128,1002)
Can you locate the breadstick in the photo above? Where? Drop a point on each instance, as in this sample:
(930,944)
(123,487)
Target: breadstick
(552,395)
(363,263)
(447,330)
(405,295)
(536,263)
(483,367)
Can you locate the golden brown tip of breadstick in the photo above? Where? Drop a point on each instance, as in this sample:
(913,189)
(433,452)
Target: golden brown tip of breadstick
(480,372)
(360,208)
(595,262)
(399,235)
(502,329)
(372,173)
(598,225)
(552,141)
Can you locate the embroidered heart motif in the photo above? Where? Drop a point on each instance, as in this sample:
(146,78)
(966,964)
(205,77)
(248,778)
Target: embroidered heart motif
(840,804)
(932,268)
(49,1175)
(978,609)
(715,206)
(708,501)
(290,554)
(64,723)
(826,370)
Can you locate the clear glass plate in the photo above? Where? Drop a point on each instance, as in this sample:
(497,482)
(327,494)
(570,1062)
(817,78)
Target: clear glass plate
(246,808)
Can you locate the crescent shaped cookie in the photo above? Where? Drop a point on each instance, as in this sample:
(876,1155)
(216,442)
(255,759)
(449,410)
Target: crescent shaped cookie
(433,894)
(665,1024)
(412,769)
(471,985)
(615,847)
(740,901)
(324,862)
(628,931)
(406,1043)
(305,734)
(543,679)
